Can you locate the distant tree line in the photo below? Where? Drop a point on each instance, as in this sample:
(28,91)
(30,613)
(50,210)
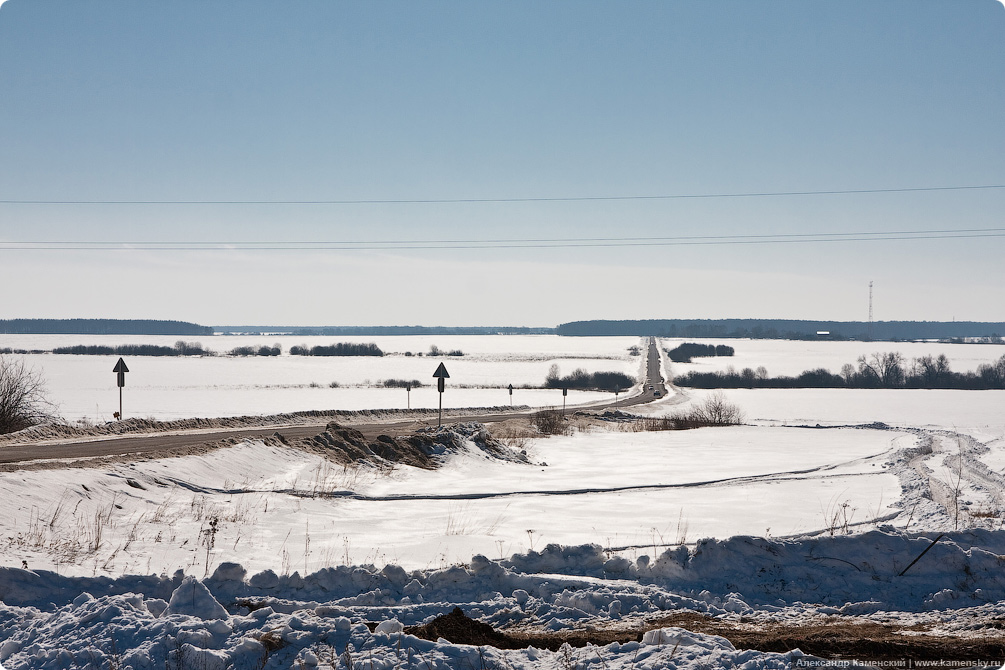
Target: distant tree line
(180,348)
(402,383)
(881,370)
(790,329)
(100,327)
(688,350)
(340,349)
(376,331)
(256,351)
(583,380)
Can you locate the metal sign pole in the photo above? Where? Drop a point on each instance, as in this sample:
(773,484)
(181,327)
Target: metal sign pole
(565,392)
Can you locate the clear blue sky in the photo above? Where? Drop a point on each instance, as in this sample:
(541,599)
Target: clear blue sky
(345,101)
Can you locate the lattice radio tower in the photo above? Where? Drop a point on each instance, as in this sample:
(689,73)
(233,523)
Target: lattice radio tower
(869,327)
(870,302)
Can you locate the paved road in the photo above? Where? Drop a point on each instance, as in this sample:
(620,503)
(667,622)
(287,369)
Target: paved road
(152,443)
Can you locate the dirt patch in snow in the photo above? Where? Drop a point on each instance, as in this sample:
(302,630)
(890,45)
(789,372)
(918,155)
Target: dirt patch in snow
(839,639)
(459,628)
(422,449)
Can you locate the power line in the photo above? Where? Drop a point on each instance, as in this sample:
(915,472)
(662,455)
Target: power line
(534,243)
(441,201)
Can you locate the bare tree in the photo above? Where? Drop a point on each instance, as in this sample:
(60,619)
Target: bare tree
(885,369)
(23,401)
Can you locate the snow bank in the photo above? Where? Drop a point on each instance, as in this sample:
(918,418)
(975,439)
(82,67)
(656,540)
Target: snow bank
(233,620)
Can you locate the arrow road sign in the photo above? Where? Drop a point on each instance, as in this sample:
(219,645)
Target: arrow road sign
(120,371)
(441,375)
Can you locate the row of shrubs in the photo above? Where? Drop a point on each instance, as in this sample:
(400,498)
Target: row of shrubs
(688,350)
(180,348)
(887,370)
(256,351)
(340,349)
(583,380)
(714,410)
(402,383)
(436,351)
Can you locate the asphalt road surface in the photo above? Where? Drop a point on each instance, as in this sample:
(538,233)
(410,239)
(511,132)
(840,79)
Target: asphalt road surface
(151,444)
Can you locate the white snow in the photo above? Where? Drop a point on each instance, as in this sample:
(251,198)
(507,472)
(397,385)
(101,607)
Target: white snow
(260,555)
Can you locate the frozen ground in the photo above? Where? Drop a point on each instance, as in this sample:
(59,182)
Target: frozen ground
(601,529)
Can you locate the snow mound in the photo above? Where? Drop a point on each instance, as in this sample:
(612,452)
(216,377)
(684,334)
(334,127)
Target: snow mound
(192,598)
(282,621)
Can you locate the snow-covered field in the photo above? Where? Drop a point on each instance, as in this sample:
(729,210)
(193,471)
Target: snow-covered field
(791,357)
(84,387)
(817,504)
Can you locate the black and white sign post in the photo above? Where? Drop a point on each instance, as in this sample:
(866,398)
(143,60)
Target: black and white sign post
(441,374)
(408,390)
(120,370)
(510,395)
(565,392)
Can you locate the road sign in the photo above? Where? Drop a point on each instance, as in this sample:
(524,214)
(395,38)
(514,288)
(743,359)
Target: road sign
(120,371)
(511,395)
(441,374)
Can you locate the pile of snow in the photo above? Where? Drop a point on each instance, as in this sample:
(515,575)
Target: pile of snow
(232,620)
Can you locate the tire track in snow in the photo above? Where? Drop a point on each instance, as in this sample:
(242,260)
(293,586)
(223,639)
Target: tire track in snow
(962,462)
(352,495)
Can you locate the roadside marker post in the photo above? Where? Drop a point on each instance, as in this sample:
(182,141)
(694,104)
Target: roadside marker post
(510,395)
(120,371)
(408,390)
(565,392)
(441,374)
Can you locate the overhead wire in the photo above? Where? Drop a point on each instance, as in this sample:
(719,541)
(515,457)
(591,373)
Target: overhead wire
(440,201)
(503,243)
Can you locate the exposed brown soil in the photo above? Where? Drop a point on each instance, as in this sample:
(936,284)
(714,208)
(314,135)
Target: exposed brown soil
(458,628)
(843,639)
(833,640)
(346,445)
